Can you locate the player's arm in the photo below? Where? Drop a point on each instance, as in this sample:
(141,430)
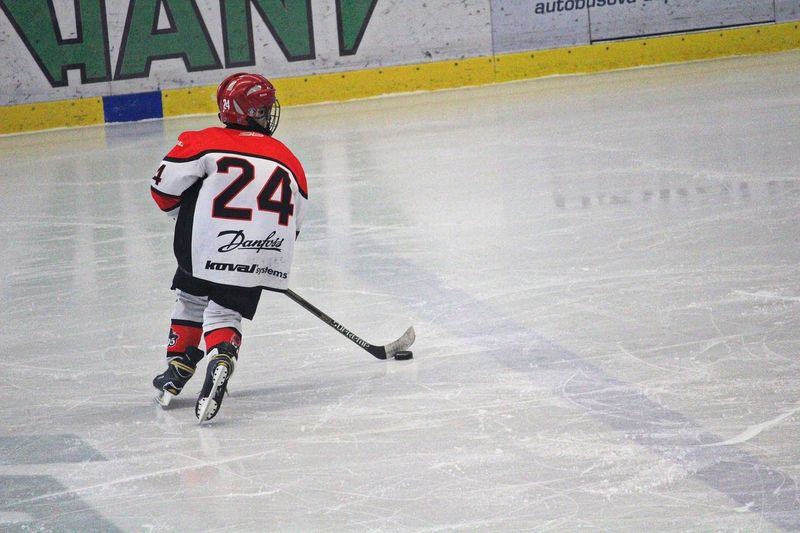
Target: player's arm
(299,175)
(179,170)
(168,203)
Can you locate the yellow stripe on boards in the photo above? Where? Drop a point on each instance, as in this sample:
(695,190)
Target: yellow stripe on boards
(189,101)
(677,48)
(47,115)
(349,85)
(374,82)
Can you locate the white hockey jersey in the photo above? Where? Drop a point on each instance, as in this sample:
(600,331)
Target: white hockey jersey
(240,199)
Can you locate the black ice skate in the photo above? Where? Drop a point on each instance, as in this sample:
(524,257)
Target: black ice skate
(220,369)
(181,368)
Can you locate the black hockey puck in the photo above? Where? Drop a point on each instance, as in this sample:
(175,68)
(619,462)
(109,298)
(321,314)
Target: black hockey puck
(403,355)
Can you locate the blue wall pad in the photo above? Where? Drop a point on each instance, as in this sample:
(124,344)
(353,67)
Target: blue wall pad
(128,107)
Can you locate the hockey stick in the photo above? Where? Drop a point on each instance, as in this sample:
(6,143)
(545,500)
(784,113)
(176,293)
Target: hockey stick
(381,352)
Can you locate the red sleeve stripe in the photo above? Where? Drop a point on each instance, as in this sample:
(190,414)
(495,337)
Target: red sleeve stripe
(166,202)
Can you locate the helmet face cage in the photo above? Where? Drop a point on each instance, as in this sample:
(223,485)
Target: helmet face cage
(274,117)
(248,100)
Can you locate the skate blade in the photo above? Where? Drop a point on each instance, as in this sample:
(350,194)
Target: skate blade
(219,378)
(162,398)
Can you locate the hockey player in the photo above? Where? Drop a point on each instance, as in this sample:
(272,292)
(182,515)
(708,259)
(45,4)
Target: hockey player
(239,197)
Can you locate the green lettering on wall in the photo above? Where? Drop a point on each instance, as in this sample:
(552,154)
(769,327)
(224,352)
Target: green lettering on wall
(182,35)
(289,22)
(36,23)
(352,16)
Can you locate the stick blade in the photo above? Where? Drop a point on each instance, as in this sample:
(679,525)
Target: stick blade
(403,343)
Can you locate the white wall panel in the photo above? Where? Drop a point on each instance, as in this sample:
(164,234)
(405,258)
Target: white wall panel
(655,17)
(398,32)
(787,10)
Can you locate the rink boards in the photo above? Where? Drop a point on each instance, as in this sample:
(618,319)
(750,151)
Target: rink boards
(94,65)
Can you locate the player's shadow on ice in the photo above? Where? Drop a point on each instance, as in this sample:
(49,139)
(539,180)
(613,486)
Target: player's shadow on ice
(281,397)
(290,396)
(294,394)
(285,395)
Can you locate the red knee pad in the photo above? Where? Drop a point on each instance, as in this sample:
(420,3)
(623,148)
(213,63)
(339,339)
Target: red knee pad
(217,336)
(182,335)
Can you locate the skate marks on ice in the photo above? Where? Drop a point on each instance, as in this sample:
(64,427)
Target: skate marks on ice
(756,429)
(27,502)
(42,502)
(696,452)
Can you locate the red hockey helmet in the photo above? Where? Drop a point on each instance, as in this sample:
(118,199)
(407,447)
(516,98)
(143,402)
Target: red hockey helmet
(242,97)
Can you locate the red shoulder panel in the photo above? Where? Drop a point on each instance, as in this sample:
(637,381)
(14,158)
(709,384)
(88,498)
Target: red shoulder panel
(193,144)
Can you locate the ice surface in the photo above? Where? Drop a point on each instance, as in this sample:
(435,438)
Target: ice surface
(602,272)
